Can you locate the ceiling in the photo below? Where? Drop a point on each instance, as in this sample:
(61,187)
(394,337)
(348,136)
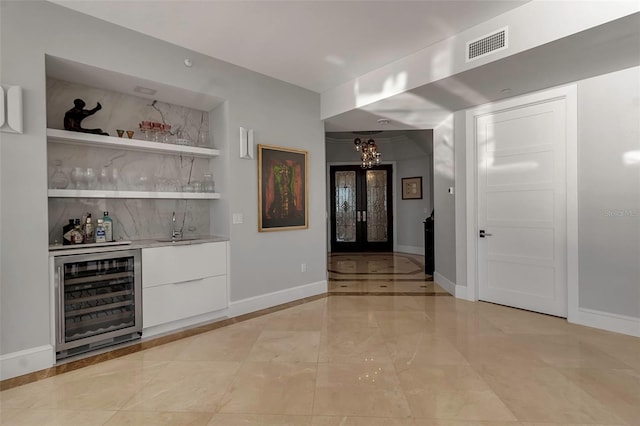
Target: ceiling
(316,44)
(320,44)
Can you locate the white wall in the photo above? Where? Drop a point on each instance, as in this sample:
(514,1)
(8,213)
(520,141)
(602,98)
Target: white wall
(534,24)
(609,192)
(261,263)
(445,208)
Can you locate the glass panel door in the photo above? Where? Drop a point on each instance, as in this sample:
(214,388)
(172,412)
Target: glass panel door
(377,223)
(345,206)
(98,297)
(361,209)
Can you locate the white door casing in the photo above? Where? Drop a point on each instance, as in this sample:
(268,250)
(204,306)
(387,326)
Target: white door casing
(523,196)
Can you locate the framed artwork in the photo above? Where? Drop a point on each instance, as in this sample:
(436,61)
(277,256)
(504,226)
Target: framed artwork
(412,188)
(283,197)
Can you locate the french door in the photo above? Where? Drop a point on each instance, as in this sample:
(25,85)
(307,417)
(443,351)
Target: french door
(361,208)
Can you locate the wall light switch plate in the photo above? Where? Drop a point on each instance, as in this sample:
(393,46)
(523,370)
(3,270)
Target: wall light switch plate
(237,218)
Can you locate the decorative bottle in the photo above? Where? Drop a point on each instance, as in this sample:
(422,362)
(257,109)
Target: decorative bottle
(107,223)
(59,179)
(76,235)
(100,233)
(88,229)
(67,238)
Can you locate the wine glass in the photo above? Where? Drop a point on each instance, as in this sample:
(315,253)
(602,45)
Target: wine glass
(91,178)
(114,178)
(77,177)
(104,180)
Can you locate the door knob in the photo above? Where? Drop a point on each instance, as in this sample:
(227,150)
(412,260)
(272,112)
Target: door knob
(484,234)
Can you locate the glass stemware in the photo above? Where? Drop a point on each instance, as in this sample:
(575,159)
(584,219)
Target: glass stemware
(207,183)
(77,177)
(91,178)
(104,180)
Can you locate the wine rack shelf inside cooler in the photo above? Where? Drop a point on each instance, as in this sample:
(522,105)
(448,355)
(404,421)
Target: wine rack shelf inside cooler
(98,299)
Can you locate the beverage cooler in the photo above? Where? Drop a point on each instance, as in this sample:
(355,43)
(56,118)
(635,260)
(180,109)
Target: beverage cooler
(98,300)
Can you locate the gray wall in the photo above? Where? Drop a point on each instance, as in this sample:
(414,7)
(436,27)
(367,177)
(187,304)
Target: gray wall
(445,208)
(460,197)
(609,192)
(278,112)
(412,213)
(411,160)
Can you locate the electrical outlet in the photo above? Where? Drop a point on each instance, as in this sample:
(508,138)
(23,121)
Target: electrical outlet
(303,267)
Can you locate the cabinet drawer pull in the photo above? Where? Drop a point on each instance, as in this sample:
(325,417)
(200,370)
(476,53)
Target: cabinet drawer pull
(189,281)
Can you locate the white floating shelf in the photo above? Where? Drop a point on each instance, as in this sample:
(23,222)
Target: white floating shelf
(86,193)
(77,138)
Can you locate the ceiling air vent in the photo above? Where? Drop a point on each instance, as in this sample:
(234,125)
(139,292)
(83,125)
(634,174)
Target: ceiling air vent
(487,44)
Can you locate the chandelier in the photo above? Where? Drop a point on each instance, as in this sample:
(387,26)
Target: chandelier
(368,153)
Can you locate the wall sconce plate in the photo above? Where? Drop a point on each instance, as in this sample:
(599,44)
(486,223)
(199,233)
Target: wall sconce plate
(246,143)
(11,109)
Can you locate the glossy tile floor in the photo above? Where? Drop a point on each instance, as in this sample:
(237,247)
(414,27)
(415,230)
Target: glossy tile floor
(358,273)
(349,360)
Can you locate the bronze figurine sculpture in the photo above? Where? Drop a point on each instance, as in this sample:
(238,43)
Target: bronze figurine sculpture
(75,115)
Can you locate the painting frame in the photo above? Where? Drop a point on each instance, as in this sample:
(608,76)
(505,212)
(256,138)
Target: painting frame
(412,188)
(283,189)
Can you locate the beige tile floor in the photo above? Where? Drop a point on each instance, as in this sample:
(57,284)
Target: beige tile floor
(350,360)
(379,273)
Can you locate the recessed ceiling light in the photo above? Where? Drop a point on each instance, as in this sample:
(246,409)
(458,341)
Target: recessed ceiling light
(188,63)
(383,121)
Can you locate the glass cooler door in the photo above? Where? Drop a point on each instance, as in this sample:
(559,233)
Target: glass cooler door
(97,297)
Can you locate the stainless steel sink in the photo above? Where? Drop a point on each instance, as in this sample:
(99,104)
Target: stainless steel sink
(176,240)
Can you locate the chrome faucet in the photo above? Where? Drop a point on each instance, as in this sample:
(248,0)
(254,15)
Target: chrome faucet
(175,234)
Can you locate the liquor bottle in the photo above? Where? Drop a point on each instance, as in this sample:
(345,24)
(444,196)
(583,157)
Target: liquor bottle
(100,233)
(76,235)
(88,229)
(107,223)
(67,239)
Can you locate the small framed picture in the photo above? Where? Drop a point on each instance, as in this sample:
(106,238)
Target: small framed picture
(412,188)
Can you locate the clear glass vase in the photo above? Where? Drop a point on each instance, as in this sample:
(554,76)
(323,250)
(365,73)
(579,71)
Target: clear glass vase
(59,179)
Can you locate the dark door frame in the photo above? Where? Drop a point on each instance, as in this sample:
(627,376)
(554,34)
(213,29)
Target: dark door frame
(361,227)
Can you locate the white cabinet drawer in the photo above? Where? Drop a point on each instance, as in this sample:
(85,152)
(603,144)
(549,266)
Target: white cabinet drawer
(173,264)
(171,302)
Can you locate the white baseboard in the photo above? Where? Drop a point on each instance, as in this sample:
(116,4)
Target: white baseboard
(26,361)
(410,250)
(607,321)
(461,292)
(445,283)
(253,304)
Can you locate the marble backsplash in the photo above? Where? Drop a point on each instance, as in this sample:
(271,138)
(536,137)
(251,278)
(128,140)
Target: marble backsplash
(127,170)
(120,111)
(132,219)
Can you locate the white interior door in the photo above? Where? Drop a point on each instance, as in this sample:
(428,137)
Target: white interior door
(522,207)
